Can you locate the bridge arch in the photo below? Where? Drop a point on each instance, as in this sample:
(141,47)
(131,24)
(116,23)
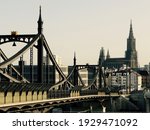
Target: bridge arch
(16,38)
(37,105)
(12,109)
(26,107)
(2,111)
(48,110)
(46,104)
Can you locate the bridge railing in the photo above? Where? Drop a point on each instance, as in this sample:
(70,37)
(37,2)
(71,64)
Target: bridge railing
(67,93)
(89,92)
(58,94)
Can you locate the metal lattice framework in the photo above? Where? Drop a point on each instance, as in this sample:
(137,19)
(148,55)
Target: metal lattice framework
(95,82)
(31,42)
(39,42)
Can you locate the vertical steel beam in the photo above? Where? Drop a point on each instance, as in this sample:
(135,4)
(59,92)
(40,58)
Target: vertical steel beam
(40,60)
(100,77)
(21,65)
(75,76)
(31,65)
(47,68)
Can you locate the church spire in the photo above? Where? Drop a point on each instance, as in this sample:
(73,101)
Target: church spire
(131,31)
(40,23)
(108,55)
(101,56)
(131,53)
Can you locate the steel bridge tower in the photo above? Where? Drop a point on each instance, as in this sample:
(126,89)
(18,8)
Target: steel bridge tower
(40,49)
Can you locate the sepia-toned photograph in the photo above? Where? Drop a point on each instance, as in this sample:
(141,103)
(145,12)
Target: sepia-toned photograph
(74,56)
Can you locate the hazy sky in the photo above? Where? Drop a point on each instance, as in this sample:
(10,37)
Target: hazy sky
(83,26)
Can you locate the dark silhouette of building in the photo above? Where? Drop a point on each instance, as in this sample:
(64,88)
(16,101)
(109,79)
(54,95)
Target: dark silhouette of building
(130,58)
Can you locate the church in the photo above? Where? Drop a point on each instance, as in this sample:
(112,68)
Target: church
(130,58)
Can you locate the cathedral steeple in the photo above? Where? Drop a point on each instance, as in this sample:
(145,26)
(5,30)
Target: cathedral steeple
(101,56)
(131,39)
(131,31)
(108,55)
(131,53)
(40,22)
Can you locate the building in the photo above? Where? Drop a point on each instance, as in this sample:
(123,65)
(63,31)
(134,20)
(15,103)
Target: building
(147,67)
(145,78)
(125,79)
(130,58)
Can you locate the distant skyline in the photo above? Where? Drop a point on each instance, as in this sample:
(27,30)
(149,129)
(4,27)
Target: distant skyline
(82,26)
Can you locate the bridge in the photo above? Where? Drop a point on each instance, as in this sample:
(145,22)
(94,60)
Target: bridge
(48,104)
(19,93)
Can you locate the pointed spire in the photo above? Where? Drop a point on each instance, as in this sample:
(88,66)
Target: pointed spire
(74,59)
(101,56)
(102,53)
(131,31)
(74,55)
(108,55)
(40,22)
(40,18)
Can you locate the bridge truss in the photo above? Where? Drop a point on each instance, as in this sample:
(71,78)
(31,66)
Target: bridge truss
(37,42)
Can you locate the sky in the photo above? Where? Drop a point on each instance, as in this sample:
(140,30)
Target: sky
(81,26)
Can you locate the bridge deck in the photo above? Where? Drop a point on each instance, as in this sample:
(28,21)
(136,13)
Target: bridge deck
(58,100)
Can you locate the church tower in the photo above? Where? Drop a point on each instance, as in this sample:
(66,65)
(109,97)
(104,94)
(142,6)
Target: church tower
(131,53)
(101,56)
(108,55)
